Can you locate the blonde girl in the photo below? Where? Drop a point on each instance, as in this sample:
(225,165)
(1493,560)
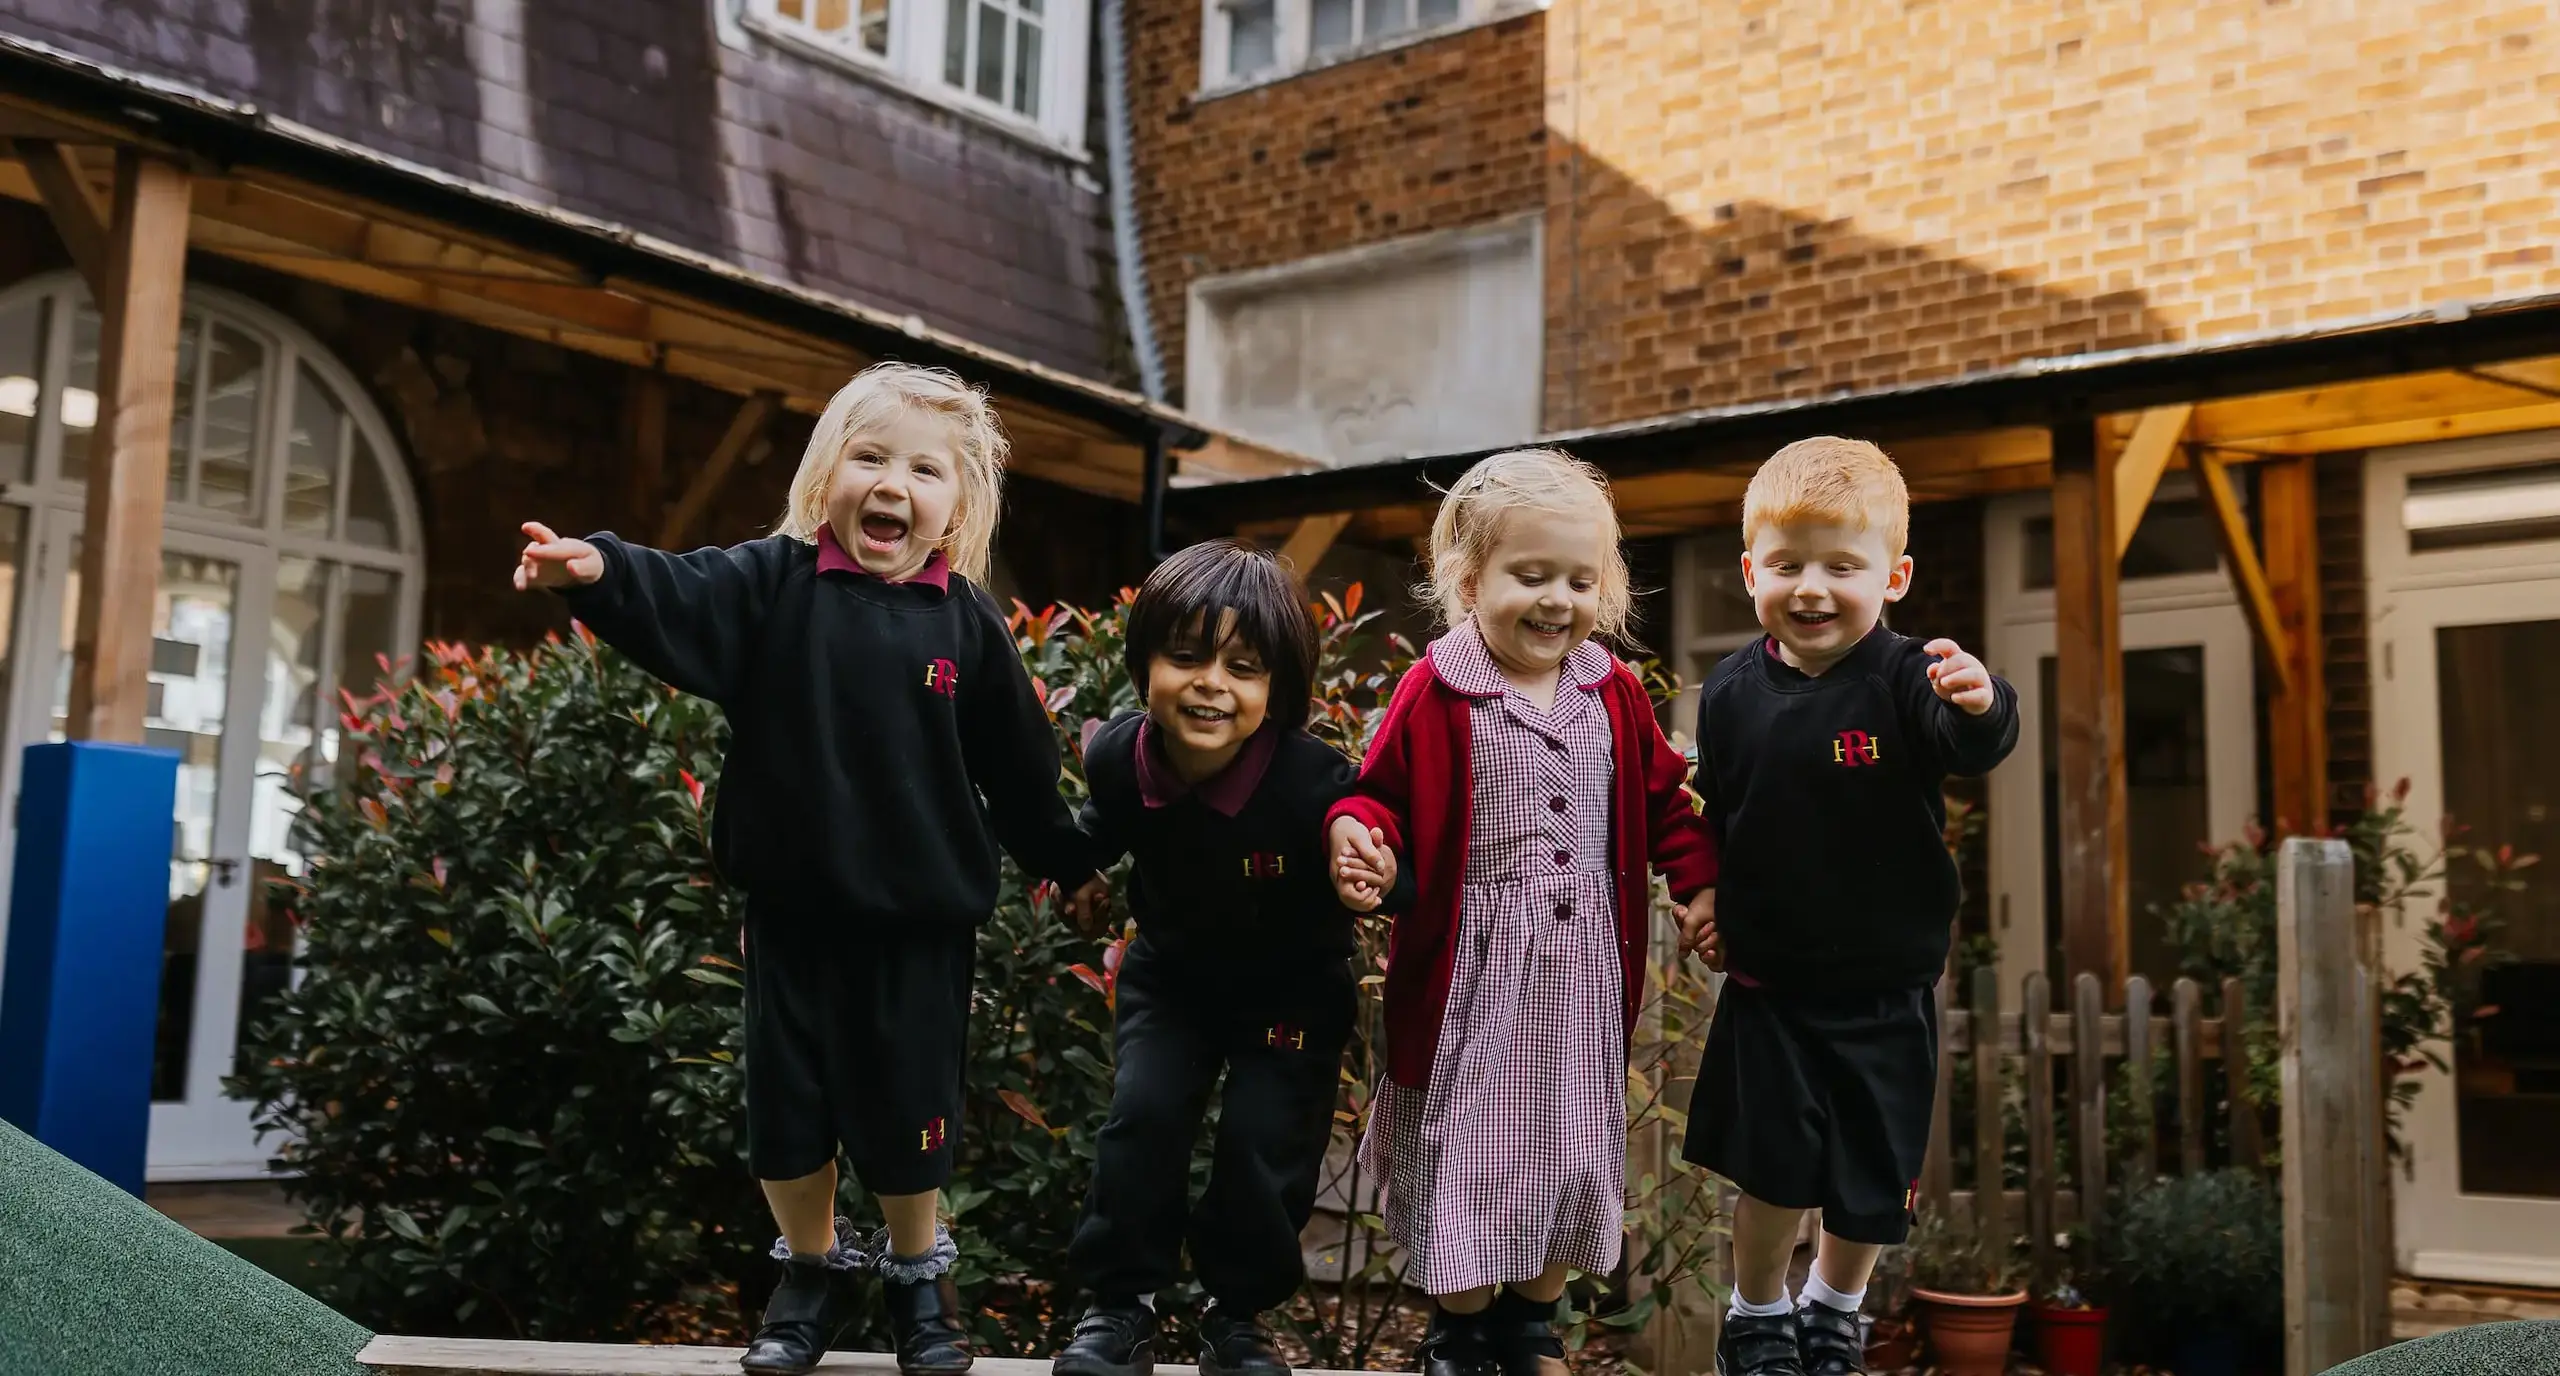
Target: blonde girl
(873,694)
(1521,775)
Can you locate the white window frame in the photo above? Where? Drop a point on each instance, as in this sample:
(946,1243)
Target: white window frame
(913,64)
(1293,47)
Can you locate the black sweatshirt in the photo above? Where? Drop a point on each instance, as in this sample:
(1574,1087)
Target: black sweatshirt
(1253,886)
(866,721)
(1825,793)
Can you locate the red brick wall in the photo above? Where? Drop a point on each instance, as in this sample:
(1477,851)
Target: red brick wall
(1438,135)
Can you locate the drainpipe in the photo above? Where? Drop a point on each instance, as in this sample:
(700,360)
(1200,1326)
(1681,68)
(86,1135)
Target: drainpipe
(1125,247)
(1162,440)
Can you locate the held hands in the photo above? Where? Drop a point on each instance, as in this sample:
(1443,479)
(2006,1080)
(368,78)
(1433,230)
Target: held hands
(1363,868)
(551,562)
(1959,677)
(1089,907)
(1698,933)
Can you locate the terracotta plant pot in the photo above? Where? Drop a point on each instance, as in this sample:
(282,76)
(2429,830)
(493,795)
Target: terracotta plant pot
(1969,1334)
(1892,1344)
(2069,1342)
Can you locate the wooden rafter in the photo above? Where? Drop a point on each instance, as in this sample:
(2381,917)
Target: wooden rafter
(2138,468)
(1306,545)
(748,423)
(66,197)
(2248,572)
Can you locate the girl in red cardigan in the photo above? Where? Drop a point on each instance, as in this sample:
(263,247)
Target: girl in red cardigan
(1521,772)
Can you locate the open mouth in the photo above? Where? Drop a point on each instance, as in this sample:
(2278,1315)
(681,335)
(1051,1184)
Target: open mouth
(1207,716)
(1813,618)
(1546,628)
(883,534)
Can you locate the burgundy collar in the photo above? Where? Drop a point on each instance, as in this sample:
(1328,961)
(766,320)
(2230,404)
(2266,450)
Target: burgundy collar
(1225,792)
(935,574)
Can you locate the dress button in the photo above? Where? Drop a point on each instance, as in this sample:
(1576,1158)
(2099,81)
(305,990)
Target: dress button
(1555,805)
(1564,911)
(1554,744)
(1564,857)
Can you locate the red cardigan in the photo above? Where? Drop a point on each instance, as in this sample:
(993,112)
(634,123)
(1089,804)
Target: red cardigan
(1414,786)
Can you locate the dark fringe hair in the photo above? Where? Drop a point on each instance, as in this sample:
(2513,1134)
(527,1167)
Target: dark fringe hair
(1188,597)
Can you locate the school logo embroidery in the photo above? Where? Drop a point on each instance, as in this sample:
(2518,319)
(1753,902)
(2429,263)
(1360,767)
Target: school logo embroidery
(1854,748)
(1263,864)
(942,676)
(1281,1034)
(932,1136)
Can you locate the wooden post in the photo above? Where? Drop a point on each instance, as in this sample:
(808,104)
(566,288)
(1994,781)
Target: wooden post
(2297,712)
(129,473)
(2186,1027)
(645,426)
(2035,1040)
(2248,1151)
(2336,1276)
(2142,1147)
(2089,1092)
(1990,1135)
(2089,709)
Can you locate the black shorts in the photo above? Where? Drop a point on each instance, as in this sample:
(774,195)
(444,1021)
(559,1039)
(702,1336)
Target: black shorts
(858,1042)
(1820,1102)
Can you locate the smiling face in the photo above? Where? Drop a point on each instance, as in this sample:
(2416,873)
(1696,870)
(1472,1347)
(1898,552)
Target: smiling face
(894,492)
(1538,594)
(1207,702)
(1820,586)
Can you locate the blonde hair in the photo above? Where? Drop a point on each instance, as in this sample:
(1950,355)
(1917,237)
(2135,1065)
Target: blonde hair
(1472,514)
(1829,479)
(862,408)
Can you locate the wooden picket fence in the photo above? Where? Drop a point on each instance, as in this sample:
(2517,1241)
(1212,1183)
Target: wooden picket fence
(2037,1036)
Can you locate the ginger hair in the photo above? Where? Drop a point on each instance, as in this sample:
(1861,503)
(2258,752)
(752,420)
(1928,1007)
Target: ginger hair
(1829,480)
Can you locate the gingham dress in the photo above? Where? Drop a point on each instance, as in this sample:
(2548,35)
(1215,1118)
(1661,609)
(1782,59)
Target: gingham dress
(1514,1158)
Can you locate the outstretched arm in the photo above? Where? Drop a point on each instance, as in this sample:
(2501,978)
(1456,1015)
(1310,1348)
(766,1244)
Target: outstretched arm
(690,619)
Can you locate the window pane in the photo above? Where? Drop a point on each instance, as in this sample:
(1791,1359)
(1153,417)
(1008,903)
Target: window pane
(2167,799)
(1332,24)
(2501,761)
(1026,68)
(990,55)
(182,407)
(286,768)
(875,26)
(833,16)
(1253,37)
(370,520)
(1382,17)
(368,620)
(79,408)
(226,474)
(2175,537)
(2495,506)
(955,44)
(1437,11)
(22,331)
(311,455)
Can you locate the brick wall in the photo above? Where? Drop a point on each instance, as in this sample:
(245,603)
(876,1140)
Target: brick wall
(1438,135)
(637,114)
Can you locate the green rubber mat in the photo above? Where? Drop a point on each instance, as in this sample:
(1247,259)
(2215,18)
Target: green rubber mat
(2490,1349)
(94,1282)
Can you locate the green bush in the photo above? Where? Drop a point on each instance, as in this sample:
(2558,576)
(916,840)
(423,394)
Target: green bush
(2199,1252)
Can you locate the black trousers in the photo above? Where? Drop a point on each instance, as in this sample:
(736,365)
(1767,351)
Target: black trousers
(858,1042)
(1278,1036)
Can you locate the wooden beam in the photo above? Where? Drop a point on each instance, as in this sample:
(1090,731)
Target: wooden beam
(2248,576)
(2138,469)
(2297,713)
(76,218)
(1306,545)
(645,431)
(748,423)
(128,474)
(2089,708)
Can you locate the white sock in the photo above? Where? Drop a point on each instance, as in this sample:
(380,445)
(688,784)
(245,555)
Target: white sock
(1149,1300)
(1816,1291)
(1743,1308)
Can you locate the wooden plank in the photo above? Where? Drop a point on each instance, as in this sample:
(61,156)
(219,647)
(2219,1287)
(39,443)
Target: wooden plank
(2186,1002)
(2333,1111)
(2089,1093)
(75,214)
(129,472)
(2146,456)
(1937,1170)
(645,420)
(393,1355)
(2248,1144)
(2089,708)
(2036,1001)
(744,426)
(2248,576)
(2142,1146)
(2255,422)
(2062,1036)
(1306,545)
(1990,1135)
(2013,1204)
(2298,711)
(1227,458)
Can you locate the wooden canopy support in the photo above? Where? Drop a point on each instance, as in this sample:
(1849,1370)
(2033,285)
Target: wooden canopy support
(2298,712)
(145,275)
(74,212)
(748,423)
(2248,574)
(2146,456)
(2089,708)
(1306,545)
(645,422)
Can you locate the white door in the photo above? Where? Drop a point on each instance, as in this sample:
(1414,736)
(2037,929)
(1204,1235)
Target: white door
(2463,541)
(2190,726)
(288,571)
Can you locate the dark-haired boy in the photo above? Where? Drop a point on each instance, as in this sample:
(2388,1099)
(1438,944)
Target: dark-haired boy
(1241,963)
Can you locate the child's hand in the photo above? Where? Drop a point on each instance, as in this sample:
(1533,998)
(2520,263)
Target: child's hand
(1363,868)
(1090,905)
(1959,677)
(1698,933)
(551,562)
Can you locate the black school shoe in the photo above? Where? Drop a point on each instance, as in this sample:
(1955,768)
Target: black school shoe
(808,1309)
(1759,1345)
(924,1309)
(1521,1335)
(1114,1338)
(1829,1340)
(1455,1346)
(1236,1344)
